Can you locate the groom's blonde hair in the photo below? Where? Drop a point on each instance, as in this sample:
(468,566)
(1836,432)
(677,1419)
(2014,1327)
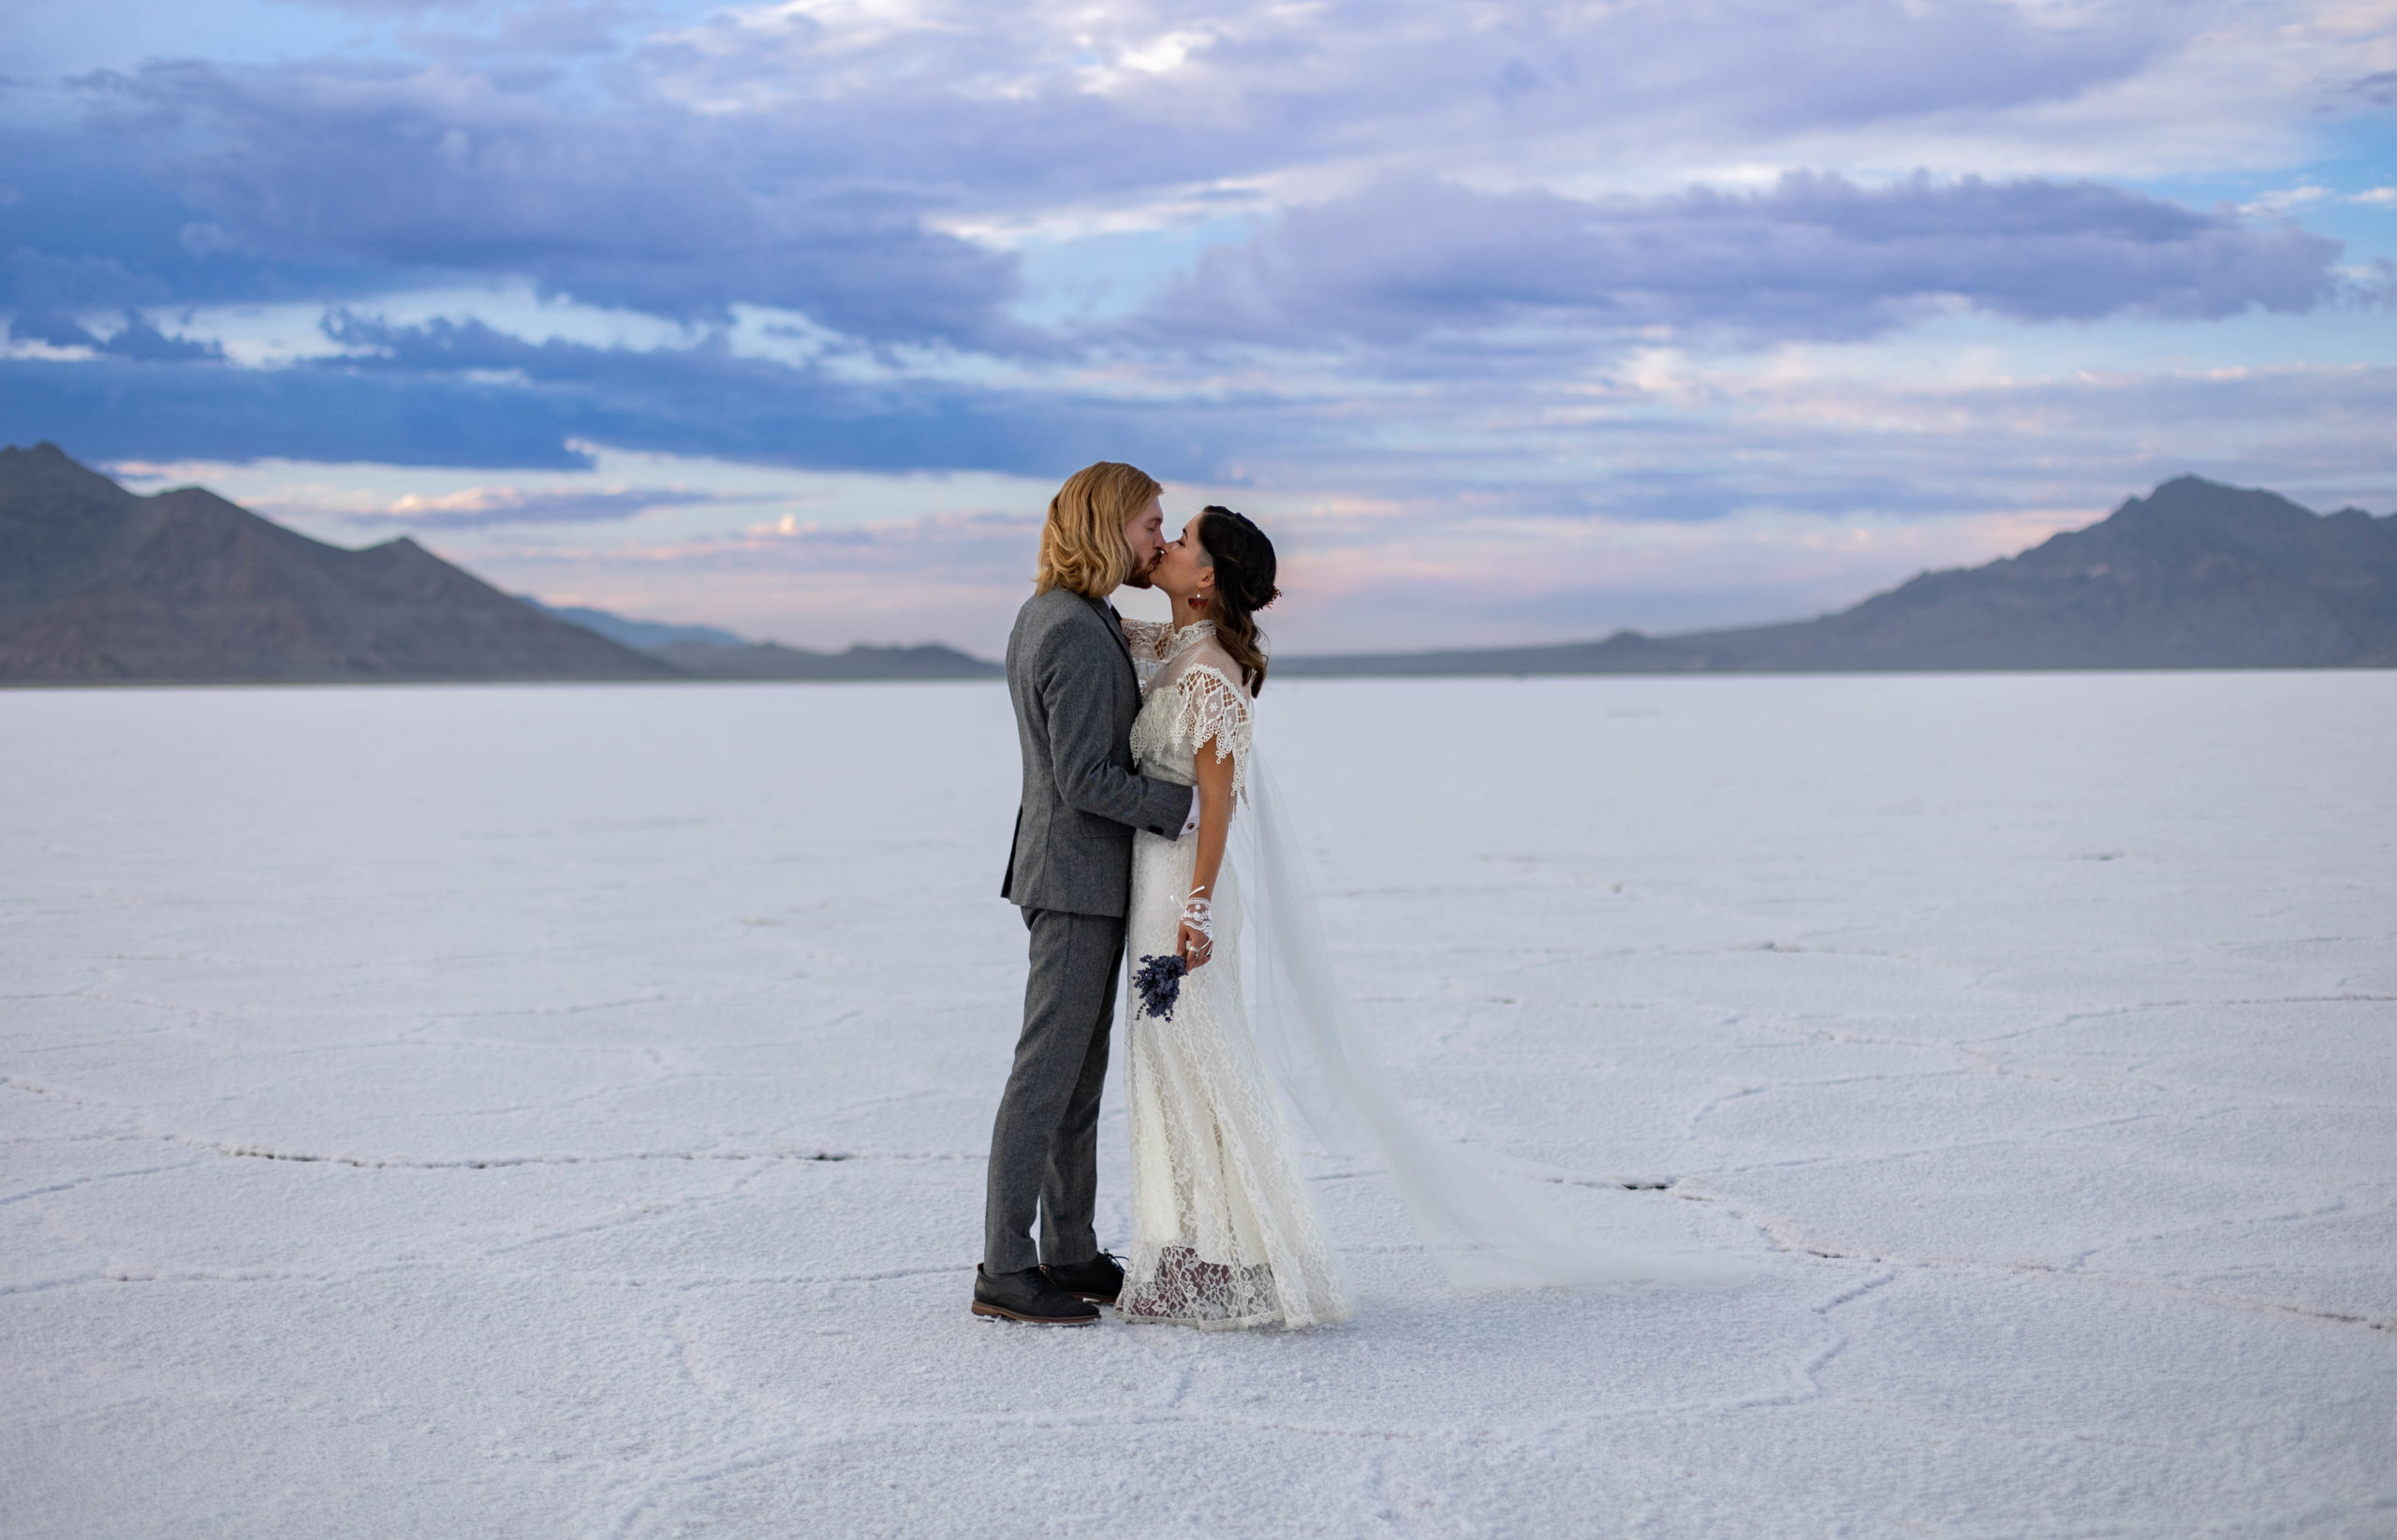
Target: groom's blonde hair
(1082,546)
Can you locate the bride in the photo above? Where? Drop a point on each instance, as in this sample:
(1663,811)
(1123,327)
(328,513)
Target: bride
(1224,1232)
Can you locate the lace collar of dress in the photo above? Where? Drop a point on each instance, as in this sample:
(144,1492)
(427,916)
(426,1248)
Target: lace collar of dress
(1186,638)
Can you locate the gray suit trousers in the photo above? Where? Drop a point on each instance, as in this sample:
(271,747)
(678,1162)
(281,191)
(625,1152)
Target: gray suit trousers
(1044,1148)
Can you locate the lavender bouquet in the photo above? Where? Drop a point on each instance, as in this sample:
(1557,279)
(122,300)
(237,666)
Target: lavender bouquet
(1158,980)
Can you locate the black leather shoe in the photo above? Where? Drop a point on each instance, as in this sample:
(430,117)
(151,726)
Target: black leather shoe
(1029,1296)
(1098,1280)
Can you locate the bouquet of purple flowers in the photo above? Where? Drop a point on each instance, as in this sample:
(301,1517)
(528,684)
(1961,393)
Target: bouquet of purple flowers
(1158,980)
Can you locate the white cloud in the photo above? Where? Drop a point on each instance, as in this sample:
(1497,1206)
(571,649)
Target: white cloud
(846,237)
(2283,202)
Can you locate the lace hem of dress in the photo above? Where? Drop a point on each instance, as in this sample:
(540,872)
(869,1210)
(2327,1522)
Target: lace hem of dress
(1182,1288)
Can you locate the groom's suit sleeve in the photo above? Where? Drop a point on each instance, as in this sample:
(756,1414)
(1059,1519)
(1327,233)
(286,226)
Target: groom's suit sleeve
(1082,742)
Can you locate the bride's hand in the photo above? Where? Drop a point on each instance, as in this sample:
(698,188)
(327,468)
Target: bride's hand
(1194,946)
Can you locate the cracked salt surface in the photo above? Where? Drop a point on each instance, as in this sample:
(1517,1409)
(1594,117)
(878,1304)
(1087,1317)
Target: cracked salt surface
(528,1112)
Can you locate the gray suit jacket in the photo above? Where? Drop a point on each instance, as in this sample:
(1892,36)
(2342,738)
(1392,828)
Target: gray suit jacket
(1076,694)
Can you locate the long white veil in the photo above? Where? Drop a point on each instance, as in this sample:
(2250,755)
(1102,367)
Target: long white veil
(1308,1036)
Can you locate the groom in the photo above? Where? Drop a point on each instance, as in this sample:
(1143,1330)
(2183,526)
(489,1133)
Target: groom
(1076,694)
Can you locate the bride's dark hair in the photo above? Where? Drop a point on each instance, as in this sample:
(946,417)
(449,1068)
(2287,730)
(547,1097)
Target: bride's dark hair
(1242,558)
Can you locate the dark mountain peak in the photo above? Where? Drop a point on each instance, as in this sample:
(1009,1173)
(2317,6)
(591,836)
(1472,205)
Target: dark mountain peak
(200,503)
(2194,575)
(2189,484)
(2194,497)
(98,584)
(45,469)
(43,454)
(2191,534)
(405,553)
(58,522)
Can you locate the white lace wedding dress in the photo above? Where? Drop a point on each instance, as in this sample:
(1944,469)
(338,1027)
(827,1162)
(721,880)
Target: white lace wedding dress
(1224,1233)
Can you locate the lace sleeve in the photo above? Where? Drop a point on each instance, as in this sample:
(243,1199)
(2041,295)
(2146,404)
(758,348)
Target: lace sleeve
(1213,706)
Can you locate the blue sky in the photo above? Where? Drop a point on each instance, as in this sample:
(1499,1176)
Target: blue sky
(1511,321)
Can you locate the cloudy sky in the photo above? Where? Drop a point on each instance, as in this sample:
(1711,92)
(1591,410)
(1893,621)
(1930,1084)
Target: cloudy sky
(1511,321)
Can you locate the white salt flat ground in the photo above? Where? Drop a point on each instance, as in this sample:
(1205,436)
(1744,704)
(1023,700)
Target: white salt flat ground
(560,1112)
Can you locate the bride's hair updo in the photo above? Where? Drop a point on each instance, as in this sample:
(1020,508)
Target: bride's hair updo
(1242,558)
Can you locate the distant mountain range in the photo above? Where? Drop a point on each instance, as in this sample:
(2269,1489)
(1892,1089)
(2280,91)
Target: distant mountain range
(2196,575)
(704,652)
(772,660)
(648,636)
(99,585)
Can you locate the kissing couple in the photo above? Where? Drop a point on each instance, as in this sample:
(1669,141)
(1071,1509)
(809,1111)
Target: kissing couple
(1147,826)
